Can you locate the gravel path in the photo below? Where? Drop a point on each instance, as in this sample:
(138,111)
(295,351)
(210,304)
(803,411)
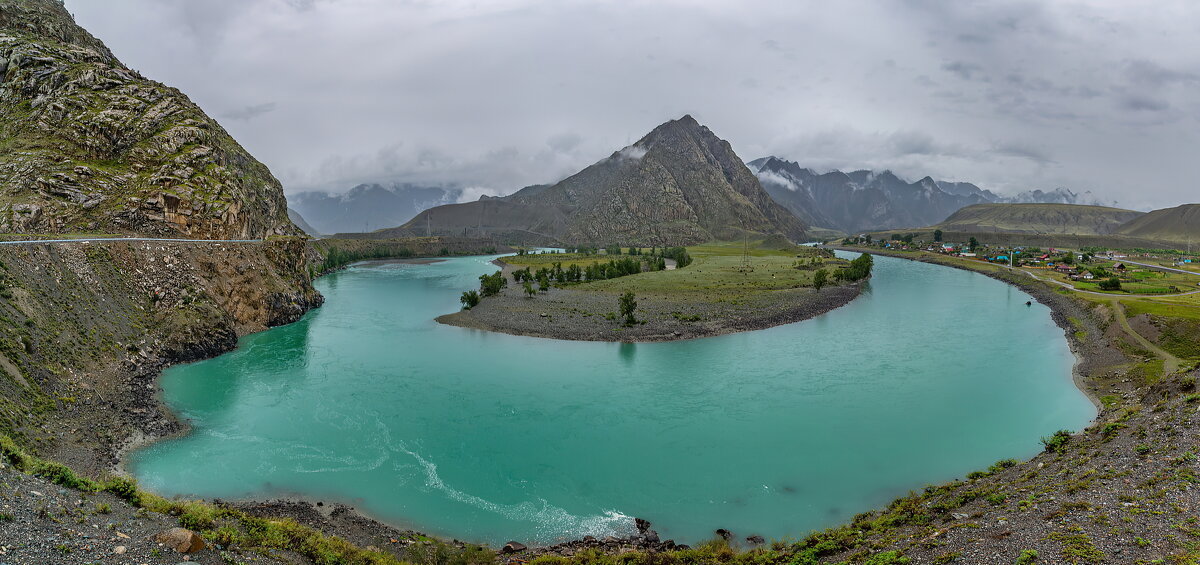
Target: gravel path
(42,523)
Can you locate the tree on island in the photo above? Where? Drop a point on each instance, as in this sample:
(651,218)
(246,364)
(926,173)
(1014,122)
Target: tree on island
(820,279)
(492,284)
(469,299)
(544,283)
(529,290)
(628,304)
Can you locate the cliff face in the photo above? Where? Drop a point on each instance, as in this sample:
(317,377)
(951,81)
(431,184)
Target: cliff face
(86,144)
(678,185)
(85,329)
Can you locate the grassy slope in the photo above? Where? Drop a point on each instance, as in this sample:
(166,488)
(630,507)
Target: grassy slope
(1180,225)
(1038,218)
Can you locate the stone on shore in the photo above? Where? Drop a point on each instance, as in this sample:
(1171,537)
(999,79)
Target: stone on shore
(182,540)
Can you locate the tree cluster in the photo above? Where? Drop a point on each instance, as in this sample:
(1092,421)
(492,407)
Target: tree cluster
(859,268)
(491,285)
(679,254)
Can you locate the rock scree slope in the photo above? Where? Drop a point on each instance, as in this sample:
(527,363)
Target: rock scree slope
(680,184)
(89,145)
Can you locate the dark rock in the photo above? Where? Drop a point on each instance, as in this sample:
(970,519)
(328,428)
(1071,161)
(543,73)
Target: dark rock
(725,534)
(642,525)
(513,547)
(755,540)
(651,536)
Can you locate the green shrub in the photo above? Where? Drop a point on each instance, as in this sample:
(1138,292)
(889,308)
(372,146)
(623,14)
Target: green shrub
(1057,443)
(126,489)
(1027,557)
(887,558)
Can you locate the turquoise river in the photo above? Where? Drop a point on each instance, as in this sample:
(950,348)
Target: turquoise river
(932,373)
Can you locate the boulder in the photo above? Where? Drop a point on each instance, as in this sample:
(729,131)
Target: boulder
(755,540)
(642,525)
(725,534)
(513,547)
(181,539)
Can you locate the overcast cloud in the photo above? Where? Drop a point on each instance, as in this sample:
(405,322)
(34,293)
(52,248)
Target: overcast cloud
(495,95)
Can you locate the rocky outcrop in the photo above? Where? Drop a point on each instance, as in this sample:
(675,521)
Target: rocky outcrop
(96,323)
(87,144)
(678,185)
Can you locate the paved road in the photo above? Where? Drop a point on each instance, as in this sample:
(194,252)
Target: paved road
(106,239)
(1152,266)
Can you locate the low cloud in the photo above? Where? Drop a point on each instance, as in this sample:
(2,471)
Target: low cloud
(1022,152)
(250,112)
(633,153)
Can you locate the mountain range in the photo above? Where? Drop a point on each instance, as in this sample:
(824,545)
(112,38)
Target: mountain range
(680,184)
(861,201)
(368,207)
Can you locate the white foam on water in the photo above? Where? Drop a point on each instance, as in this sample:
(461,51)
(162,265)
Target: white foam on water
(552,523)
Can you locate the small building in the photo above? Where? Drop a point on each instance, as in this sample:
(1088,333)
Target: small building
(1120,267)
(1087,276)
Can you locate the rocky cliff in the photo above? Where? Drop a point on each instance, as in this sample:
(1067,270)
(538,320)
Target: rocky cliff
(89,145)
(680,184)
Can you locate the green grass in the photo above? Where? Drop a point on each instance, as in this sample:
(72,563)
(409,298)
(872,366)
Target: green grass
(716,273)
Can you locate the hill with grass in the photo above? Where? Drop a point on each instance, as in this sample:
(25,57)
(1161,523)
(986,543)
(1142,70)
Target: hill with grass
(680,184)
(1076,219)
(1179,225)
(89,145)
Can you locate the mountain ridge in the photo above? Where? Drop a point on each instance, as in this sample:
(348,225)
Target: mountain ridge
(1038,218)
(679,184)
(863,200)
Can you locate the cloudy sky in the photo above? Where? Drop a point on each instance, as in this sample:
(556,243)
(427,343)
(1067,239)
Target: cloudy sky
(495,95)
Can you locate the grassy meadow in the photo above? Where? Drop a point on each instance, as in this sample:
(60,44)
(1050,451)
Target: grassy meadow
(716,272)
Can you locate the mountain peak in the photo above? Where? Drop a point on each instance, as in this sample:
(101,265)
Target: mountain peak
(688,187)
(685,127)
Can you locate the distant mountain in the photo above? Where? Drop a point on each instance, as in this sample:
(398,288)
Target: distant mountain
(861,201)
(1073,219)
(368,207)
(680,184)
(1179,225)
(304,226)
